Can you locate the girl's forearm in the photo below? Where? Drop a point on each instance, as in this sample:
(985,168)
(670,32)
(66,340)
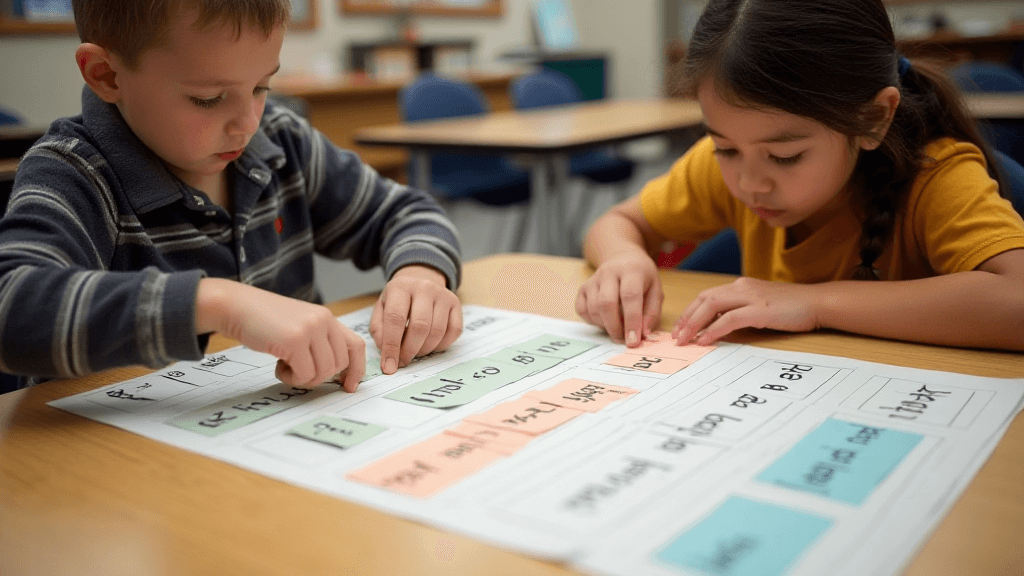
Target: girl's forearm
(611,236)
(970,309)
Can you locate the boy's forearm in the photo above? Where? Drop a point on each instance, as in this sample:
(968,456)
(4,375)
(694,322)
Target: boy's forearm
(212,298)
(970,309)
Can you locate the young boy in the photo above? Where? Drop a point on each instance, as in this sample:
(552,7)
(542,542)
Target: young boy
(180,203)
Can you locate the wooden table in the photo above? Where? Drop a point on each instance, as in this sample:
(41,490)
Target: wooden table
(80,497)
(544,138)
(996,105)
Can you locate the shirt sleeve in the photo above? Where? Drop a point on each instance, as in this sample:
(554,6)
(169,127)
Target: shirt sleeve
(374,221)
(690,203)
(959,218)
(63,313)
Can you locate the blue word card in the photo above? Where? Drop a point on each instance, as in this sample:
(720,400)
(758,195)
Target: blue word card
(745,538)
(841,460)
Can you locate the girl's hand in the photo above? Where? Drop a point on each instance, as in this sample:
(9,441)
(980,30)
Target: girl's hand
(748,302)
(312,347)
(416,314)
(624,297)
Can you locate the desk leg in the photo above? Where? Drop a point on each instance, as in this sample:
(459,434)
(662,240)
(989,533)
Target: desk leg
(539,180)
(421,163)
(559,180)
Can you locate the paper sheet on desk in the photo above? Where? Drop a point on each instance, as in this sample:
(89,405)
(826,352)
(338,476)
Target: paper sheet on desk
(737,460)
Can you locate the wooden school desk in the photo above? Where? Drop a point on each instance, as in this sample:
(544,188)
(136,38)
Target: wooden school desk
(996,105)
(80,497)
(543,137)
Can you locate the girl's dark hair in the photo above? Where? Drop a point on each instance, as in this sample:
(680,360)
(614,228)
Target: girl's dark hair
(826,60)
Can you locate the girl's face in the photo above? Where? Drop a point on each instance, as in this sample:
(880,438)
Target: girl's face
(786,169)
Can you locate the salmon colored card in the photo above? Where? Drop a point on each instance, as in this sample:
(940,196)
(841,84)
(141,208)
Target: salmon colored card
(582,394)
(525,415)
(648,363)
(508,442)
(424,469)
(669,349)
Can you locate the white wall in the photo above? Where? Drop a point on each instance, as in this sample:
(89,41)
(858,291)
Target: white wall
(630,31)
(41,81)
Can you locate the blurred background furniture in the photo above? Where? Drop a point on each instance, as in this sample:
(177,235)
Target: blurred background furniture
(487,178)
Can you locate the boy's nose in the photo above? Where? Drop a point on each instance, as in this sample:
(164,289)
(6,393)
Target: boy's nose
(247,117)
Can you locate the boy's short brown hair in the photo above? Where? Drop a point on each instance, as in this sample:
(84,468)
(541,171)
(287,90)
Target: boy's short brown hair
(130,27)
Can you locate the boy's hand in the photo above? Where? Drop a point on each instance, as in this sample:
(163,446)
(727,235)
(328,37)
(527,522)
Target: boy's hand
(312,346)
(415,315)
(746,303)
(624,297)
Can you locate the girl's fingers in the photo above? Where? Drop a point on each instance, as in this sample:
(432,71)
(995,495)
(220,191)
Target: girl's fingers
(610,310)
(631,297)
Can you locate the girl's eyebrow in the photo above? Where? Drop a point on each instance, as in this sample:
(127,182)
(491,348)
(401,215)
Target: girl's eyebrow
(781,137)
(222,83)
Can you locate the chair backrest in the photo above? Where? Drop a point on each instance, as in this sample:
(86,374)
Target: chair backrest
(431,96)
(978,76)
(543,88)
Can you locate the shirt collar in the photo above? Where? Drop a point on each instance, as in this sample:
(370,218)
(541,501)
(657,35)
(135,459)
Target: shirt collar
(145,180)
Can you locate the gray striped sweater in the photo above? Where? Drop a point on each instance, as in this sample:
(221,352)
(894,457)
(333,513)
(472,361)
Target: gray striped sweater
(102,248)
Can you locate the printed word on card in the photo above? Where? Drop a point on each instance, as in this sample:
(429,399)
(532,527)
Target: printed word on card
(526,415)
(425,469)
(582,394)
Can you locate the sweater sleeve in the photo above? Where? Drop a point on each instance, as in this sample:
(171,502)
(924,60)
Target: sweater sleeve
(63,312)
(359,215)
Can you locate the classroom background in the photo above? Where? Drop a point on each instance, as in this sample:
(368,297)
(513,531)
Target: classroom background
(362,52)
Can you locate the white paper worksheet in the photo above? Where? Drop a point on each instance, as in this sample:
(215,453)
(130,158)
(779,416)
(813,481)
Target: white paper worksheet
(543,436)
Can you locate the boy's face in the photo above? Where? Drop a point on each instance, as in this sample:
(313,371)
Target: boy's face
(197,101)
(785,168)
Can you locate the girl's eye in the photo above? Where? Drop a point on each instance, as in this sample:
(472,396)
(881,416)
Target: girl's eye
(259,90)
(206,102)
(725,152)
(788,161)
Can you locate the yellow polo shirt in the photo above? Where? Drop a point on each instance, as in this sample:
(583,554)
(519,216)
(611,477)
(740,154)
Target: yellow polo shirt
(954,221)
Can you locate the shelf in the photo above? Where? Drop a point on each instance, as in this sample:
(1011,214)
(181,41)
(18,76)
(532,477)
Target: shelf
(17,26)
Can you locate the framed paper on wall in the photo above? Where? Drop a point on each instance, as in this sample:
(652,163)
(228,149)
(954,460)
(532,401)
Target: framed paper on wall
(456,8)
(304,15)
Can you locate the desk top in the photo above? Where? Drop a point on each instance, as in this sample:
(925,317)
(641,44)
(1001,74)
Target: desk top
(996,105)
(77,496)
(560,128)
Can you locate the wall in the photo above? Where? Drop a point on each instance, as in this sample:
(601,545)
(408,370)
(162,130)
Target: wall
(41,81)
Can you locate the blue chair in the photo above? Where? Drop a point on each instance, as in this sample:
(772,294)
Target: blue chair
(488,179)
(550,88)
(1005,135)
(9,383)
(722,252)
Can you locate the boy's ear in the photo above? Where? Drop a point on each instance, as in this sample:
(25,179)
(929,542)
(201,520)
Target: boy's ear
(99,70)
(887,100)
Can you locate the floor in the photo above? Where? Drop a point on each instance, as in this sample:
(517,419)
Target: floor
(486,230)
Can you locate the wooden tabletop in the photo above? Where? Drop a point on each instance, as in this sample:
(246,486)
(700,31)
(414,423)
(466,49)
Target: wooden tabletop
(996,105)
(550,129)
(80,497)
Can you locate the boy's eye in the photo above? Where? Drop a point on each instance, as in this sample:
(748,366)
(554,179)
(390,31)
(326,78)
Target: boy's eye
(787,161)
(206,102)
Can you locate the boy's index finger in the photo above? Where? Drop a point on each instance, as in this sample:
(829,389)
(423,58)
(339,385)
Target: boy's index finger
(356,367)
(395,315)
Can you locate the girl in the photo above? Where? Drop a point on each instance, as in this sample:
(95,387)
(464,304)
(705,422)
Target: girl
(863,197)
